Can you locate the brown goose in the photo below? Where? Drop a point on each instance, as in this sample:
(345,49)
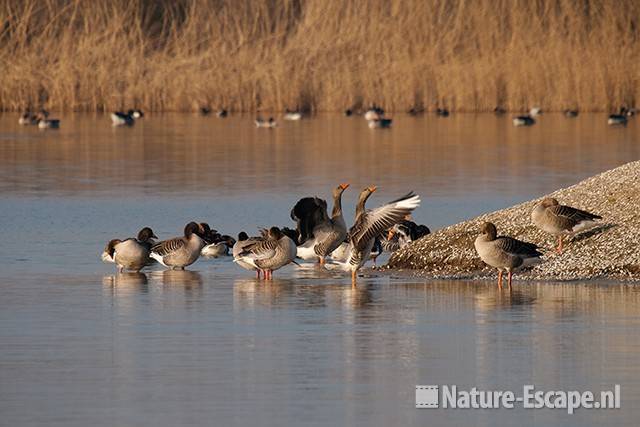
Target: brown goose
(243,241)
(179,252)
(132,253)
(504,252)
(269,254)
(323,234)
(558,220)
(370,224)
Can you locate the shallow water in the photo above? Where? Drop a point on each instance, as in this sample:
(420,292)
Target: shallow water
(83,346)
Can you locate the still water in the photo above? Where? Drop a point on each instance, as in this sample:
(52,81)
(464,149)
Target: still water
(80,345)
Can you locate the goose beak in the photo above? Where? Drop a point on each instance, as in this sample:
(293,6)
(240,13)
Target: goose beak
(154,236)
(391,234)
(344,186)
(373,188)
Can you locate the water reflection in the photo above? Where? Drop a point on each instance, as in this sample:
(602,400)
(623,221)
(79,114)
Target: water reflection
(127,281)
(176,154)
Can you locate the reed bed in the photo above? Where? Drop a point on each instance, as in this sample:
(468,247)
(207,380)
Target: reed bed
(248,55)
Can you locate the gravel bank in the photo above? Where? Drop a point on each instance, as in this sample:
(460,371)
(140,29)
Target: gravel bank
(611,250)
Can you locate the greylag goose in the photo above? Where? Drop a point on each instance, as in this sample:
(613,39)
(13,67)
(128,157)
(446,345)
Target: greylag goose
(244,241)
(270,254)
(292,115)
(380,123)
(118,118)
(504,252)
(132,253)
(28,119)
(370,223)
(322,235)
(262,123)
(179,252)
(525,120)
(558,220)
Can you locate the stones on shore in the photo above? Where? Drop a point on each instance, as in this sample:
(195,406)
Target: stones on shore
(610,251)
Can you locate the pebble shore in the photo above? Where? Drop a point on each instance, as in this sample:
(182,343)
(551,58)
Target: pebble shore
(609,251)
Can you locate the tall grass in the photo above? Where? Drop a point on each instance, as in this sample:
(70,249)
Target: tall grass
(322,55)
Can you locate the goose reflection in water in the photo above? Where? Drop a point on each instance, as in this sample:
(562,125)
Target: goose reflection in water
(126,281)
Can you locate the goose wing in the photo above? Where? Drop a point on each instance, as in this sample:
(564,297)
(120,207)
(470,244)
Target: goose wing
(371,223)
(517,247)
(167,247)
(568,217)
(260,249)
(308,213)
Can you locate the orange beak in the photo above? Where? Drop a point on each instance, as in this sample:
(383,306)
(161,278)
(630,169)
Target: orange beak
(391,234)
(344,186)
(373,188)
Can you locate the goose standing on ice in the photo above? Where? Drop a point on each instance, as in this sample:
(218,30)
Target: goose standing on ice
(132,253)
(269,254)
(244,241)
(504,252)
(370,223)
(322,235)
(559,220)
(179,252)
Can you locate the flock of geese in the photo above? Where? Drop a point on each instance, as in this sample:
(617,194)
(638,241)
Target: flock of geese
(375,117)
(508,254)
(317,236)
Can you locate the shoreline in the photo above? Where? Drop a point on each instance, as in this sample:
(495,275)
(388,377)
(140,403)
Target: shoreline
(610,251)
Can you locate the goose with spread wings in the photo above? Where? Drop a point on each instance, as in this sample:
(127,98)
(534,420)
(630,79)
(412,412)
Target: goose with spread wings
(318,234)
(370,223)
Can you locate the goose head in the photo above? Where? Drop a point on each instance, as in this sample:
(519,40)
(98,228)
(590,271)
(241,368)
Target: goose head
(242,236)
(337,192)
(275,233)
(548,202)
(146,234)
(191,229)
(111,247)
(489,230)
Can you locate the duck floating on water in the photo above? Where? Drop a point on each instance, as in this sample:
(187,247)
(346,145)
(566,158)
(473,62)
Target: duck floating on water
(525,120)
(619,119)
(292,115)
(380,123)
(28,118)
(44,122)
(269,123)
(374,113)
